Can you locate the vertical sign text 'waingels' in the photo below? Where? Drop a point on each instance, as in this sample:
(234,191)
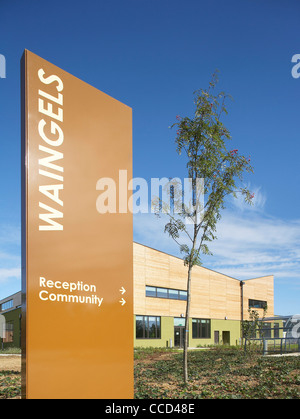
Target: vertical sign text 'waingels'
(77,275)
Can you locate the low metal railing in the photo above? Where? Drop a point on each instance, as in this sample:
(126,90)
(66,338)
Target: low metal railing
(273,345)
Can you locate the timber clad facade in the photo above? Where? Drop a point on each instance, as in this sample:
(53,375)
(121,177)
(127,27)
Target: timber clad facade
(217,301)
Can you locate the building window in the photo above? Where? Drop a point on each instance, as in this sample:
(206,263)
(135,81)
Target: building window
(276,330)
(161,292)
(201,328)
(150,291)
(7,305)
(148,327)
(266,330)
(9,332)
(171,294)
(257,304)
(179,321)
(183,295)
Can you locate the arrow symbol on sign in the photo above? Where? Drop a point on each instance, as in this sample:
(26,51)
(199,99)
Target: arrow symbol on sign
(122,290)
(122,301)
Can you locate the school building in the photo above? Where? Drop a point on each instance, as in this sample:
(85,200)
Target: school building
(10,327)
(219,303)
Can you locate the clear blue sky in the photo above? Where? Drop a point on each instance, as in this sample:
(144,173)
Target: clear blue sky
(152,55)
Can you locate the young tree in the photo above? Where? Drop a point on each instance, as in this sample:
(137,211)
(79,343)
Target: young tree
(253,325)
(203,140)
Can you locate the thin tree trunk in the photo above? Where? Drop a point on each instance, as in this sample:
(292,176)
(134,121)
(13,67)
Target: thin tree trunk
(186,334)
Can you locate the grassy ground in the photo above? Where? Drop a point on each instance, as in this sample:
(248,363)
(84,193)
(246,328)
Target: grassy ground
(10,384)
(214,374)
(10,351)
(10,373)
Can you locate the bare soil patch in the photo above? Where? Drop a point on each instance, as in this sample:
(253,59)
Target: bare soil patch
(10,363)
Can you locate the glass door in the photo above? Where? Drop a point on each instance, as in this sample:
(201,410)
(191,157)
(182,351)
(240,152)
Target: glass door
(178,336)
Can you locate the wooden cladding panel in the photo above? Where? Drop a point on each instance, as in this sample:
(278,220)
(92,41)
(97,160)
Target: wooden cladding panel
(259,289)
(213,295)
